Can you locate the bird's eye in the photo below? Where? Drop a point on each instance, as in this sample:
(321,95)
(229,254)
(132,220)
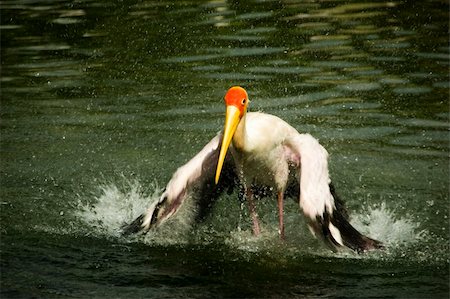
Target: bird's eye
(243,101)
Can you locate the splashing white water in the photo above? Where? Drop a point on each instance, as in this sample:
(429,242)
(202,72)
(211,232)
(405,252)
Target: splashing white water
(112,207)
(382,224)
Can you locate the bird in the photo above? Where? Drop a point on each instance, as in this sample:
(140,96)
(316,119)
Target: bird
(260,155)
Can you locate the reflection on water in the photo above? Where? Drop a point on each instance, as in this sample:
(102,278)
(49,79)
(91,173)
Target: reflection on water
(294,48)
(96,91)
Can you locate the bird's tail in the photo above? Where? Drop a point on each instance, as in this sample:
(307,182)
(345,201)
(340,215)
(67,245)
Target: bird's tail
(337,231)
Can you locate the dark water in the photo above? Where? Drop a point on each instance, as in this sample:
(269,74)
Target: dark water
(102,100)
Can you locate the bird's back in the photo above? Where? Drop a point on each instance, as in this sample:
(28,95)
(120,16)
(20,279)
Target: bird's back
(264,131)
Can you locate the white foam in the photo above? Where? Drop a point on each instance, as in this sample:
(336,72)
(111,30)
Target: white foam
(114,205)
(245,241)
(111,207)
(384,225)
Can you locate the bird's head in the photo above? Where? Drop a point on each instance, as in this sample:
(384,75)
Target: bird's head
(237,97)
(236,101)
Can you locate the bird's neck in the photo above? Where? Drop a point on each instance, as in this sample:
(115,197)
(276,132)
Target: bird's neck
(239,135)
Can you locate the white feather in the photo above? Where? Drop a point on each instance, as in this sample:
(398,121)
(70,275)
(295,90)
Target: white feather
(336,234)
(315,196)
(177,189)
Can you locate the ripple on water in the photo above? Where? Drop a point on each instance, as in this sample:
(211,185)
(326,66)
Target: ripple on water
(388,59)
(254,15)
(296,100)
(368,72)
(235,76)
(425,123)
(388,45)
(362,29)
(66,21)
(10,27)
(328,78)
(443,84)
(336,64)
(328,44)
(46,47)
(314,27)
(437,56)
(359,86)
(424,139)
(225,52)
(64,72)
(365,133)
(284,70)
(207,67)
(257,30)
(393,80)
(191,58)
(241,38)
(409,151)
(412,89)
(250,51)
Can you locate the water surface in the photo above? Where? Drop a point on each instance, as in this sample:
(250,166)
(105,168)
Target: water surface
(102,101)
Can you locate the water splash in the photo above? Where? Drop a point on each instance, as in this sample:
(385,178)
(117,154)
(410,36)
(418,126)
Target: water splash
(384,225)
(114,205)
(111,206)
(402,236)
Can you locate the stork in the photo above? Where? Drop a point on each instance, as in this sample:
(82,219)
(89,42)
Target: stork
(259,152)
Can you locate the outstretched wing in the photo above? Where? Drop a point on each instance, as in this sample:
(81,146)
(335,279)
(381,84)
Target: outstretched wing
(325,212)
(196,178)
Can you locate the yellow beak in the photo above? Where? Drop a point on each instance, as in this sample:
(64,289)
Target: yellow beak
(232,118)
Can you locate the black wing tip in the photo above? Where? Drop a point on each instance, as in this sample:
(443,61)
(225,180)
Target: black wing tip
(351,237)
(133,227)
(370,245)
